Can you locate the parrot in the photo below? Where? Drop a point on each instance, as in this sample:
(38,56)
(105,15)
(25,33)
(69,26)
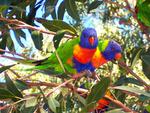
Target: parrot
(79,54)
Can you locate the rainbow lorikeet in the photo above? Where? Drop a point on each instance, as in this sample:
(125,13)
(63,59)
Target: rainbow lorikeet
(84,53)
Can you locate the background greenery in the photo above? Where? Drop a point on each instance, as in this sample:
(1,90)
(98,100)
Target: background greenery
(27,28)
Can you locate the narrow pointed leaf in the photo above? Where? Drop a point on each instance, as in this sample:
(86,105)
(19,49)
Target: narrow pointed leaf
(5,94)
(115,111)
(133,90)
(81,99)
(56,25)
(72,9)
(21,85)
(37,38)
(31,102)
(57,38)
(136,56)
(61,10)
(94,5)
(53,103)
(11,87)
(4,68)
(146,65)
(97,92)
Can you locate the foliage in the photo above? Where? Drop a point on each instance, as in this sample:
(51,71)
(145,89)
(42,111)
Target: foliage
(23,28)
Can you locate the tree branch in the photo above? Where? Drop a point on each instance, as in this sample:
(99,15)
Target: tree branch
(78,90)
(123,65)
(22,25)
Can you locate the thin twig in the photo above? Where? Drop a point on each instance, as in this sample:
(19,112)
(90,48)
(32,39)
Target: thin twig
(123,65)
(12,71)
(56,88)
(78,90)
(22,25)
(60,62)
(125,108)
(27,76)
(13,53)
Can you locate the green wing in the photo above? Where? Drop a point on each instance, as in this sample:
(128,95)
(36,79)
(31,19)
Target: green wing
(65,52)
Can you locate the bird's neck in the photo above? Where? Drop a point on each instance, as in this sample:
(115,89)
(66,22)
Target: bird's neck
(83,55)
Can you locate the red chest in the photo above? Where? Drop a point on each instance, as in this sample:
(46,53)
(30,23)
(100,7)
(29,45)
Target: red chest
(83,55)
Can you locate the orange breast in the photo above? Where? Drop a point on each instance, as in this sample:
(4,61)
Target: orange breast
(98,59)
(83,55)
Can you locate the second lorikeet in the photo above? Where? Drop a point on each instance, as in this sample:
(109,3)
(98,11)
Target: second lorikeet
(84,53)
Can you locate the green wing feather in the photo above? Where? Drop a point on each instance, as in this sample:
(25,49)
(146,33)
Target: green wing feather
(65,52)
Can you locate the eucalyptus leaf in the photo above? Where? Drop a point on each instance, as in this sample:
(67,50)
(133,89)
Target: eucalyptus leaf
(37,38)
(4,68)
(97,92)
(11,87)
(21,85)
(94,5)
(72,9)
(133,90)
(56,25)
(31,102)
(53,103)
(115,111)
(61,10)
(6,94)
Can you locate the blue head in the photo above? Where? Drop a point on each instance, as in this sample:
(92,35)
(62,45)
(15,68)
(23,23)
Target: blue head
(112,51)
(89,38)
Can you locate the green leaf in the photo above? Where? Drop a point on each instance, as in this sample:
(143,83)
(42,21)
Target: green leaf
(143,12)
(5,94)
(94,5)
(57,38)
(146,65)
(72,9)
(133,90)
(97,92)
(11,87)
(50,8)
(81,99)
(53,103)
(29,110)
(37,38)
(146,59)
(4,68)
(10,44)
(3,43)
(136,56)
(56,25)
(18,35)
(61,10)
(31,102)
(115,111)
(21,85)
(124,80)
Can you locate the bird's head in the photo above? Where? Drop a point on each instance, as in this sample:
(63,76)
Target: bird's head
(111,50)
(89,38)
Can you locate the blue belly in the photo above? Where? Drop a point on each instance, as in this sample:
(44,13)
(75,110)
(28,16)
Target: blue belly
(82,67)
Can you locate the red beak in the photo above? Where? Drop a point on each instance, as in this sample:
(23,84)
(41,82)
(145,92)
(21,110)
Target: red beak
(118,56)
(91,40)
